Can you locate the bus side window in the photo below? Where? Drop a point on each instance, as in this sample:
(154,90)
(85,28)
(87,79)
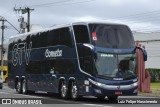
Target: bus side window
(39,40)
(88,66)
(42,41)
(34,67)
(65,37)
(81,33)
(64,67)
(53,37)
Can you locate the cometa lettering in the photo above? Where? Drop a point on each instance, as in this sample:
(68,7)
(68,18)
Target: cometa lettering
(57,53)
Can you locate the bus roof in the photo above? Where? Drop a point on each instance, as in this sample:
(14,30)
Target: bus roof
(24,35)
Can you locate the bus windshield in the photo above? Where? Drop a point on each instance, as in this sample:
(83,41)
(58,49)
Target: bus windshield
(116,66)
(111,36)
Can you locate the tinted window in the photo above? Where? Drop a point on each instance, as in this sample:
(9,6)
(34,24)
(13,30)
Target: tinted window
(47,66)
(42,39)
(81,34)
(65,37)
(39,40)
(34,43)
(53,37)
(64,67)
(85,59)
(111,36)
(34,67)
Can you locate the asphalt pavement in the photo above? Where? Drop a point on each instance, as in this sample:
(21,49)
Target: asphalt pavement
(53,100)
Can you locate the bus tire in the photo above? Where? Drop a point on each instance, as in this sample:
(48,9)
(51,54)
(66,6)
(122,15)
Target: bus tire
(19,87)
(112,98)
(63,90)
(74,92)
(24,87)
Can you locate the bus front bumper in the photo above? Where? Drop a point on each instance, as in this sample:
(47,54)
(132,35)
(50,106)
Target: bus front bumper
(100,89)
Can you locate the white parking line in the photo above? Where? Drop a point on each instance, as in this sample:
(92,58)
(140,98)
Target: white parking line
(4,93)
(28,96)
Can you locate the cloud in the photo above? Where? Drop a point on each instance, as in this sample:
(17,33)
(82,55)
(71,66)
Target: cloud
(118,11)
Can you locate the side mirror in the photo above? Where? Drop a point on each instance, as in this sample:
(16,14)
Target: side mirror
(144,53)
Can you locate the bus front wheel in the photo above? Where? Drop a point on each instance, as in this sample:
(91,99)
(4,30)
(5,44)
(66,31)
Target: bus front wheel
(74,92)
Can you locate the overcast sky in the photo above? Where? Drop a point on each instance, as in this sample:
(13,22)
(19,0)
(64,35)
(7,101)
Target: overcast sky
(140,15)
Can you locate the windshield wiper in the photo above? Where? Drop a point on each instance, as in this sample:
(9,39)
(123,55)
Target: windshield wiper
(107,74)
(130,76)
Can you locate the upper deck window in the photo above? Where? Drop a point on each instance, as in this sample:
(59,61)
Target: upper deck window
(81,33)
(111,36)
(61,36)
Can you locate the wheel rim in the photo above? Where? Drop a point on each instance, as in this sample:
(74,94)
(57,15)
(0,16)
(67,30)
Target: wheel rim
(63,91)
(24,87)
(18,86)
(74,91)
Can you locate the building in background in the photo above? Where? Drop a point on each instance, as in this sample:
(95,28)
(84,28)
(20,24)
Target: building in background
(152,47)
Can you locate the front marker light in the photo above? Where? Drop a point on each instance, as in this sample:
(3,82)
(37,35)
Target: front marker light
(135,84)
(96,83)
(99,84)
(98,91)
(135,91)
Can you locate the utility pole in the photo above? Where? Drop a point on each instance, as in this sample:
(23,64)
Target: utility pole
(28,11)
(2,27)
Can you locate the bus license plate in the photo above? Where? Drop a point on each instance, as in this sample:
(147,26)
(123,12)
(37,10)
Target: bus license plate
(118,93)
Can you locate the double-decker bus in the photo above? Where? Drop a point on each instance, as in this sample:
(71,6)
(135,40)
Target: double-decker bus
(75,60)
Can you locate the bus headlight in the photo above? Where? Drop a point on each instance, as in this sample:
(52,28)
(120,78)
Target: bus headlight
(135,84)
(96,83)
(99,84)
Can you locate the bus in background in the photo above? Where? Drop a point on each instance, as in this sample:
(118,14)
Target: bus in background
(5,70)
(75,60)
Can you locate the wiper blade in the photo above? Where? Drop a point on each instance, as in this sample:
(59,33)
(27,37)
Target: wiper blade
(107,74)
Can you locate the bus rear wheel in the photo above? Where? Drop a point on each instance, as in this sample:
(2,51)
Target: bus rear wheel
(24,87)
(63,90)
(19,87)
